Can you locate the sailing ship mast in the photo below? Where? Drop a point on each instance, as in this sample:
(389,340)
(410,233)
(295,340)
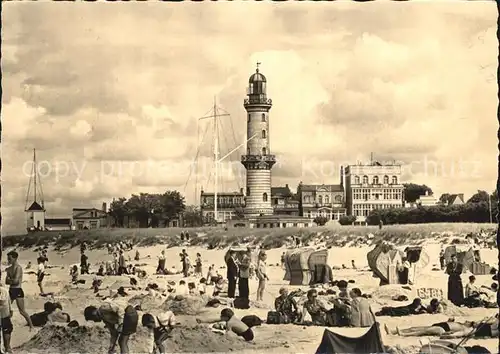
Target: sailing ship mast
(215,118)
(37,185)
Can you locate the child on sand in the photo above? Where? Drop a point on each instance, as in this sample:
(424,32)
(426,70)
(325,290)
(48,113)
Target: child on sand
(74,274)
(40,273)
(121,320)
(160,327)
(234,325)
(198,266)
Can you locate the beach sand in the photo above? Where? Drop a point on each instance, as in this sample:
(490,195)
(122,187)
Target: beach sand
(269,338)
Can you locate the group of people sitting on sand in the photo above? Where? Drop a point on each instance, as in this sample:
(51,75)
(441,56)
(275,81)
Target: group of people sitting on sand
(347,309)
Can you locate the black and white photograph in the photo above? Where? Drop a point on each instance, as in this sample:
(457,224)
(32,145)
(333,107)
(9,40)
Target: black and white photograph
(253,177)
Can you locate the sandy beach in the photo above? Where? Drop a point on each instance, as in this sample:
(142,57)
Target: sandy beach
(269,338)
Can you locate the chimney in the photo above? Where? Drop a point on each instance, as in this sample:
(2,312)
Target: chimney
(104,207)
(241,190)
(342,175)
(286,185)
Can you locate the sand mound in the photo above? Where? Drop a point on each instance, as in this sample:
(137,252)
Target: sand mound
(200,339)
(83,339)
(148,302)
(185,305)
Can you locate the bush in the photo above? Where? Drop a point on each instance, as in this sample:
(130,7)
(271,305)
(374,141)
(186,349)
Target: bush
(347,220)
(320,220)
(468,213)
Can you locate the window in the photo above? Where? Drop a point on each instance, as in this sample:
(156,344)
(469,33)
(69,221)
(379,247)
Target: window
(93,224)
(394,180)
(248,190)
(320,199)
(263,134)
(264,197)
(249,117)
(365,179)
(375,180)
(327,199)
(263,117)
(248,151)
(356,179)
(264,151)
(386,179)
(338,198)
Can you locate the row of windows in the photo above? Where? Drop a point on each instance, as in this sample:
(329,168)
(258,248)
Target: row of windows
(272,225)
(223,200)
(375,180)
(365,209)
(387,194)
(326,214)
(263,119)
(309,199)
(264,151)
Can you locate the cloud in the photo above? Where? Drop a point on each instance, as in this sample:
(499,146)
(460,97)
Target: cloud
(110,97)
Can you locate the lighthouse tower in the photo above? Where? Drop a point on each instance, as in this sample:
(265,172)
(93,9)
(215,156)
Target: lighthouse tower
(258,160)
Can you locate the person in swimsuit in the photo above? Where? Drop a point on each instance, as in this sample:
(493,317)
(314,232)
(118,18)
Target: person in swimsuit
(14,279)
(120,319)
(488,329)
(234,325)
(436,329)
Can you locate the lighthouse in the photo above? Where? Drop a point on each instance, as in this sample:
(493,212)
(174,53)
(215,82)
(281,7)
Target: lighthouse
(258,160)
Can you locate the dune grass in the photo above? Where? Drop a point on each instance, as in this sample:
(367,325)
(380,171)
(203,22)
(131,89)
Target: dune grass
(218,237)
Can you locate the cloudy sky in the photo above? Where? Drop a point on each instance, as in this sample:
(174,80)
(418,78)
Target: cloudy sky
(110,94)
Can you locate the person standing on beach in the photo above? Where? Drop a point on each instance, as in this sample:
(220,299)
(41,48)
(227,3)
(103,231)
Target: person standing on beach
(84,268)
(186,263)
(161,263)
(243,288)
(121,320)
(455,286)
(198,269)
(232,274)
(40,273)
(14,279)
(261,273)
(6,315)
(122,265)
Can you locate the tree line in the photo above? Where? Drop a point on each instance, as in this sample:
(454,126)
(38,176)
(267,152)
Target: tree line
(148,209)
(476,210)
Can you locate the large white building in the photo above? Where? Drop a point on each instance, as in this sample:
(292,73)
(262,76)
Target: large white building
(372,186)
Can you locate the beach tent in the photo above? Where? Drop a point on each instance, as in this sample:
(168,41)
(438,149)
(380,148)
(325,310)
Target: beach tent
(370,342)
(470,259)
(465,256)
(383,260)
(307,266)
